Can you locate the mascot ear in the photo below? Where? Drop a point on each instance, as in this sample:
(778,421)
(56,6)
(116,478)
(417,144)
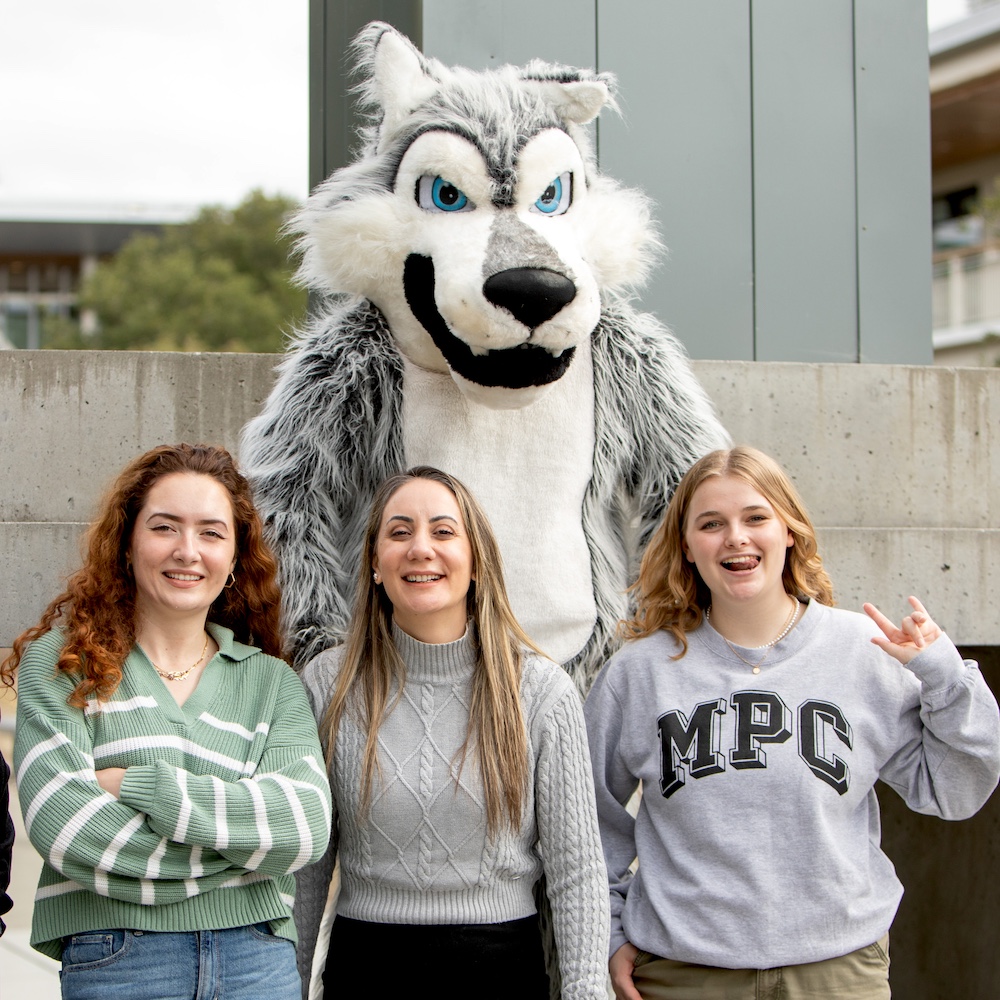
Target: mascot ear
(576,95)
(400,80)
(578,102)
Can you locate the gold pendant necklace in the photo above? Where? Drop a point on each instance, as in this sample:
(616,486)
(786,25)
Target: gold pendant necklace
(768,646)
(179,675)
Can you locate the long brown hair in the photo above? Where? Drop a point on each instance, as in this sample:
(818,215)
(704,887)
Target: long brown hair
(371,668)
(670,592)
(97,609)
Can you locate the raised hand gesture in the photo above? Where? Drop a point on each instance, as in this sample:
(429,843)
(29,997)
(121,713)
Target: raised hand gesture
(914,634)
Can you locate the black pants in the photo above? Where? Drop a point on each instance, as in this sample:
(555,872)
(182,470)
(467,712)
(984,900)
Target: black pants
(486,961)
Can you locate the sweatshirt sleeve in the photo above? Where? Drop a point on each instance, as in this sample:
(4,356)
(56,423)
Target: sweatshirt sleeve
(83,832)
(273,822)
(570,845)
(614,786)
(948,761)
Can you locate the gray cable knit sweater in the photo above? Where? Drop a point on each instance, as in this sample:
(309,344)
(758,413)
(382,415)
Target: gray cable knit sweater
(422,855)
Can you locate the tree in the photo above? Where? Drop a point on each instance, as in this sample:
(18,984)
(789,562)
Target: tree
(222,282)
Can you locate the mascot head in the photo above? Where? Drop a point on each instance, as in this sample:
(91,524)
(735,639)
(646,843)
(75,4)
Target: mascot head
(475,219)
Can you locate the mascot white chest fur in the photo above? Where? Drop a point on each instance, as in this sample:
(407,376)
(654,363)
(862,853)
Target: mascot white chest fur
(476,269)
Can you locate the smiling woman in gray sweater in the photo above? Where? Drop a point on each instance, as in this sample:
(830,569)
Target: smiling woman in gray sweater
(460,774)
(757,720)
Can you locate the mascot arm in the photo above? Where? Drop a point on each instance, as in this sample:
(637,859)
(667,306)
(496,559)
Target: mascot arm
(653,417)
(328,434)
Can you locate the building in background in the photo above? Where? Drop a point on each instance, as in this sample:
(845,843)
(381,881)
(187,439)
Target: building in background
(965,164)
(46,253)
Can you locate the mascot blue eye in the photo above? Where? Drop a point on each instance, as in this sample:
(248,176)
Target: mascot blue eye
(557,196)
(435,194)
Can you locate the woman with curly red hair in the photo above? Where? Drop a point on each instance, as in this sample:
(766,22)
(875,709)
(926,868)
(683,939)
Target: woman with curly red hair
(167,760)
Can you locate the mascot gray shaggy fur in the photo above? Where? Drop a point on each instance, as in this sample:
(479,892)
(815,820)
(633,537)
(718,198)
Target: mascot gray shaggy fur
(476,269)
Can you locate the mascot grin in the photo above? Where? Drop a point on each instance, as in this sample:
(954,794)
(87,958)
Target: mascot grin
(529,294)
(476,272)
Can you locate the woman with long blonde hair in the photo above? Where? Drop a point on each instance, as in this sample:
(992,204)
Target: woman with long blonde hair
(168,765)
(757,719)
(459,769)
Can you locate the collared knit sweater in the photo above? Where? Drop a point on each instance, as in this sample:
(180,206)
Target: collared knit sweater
(223,797)
(422,856)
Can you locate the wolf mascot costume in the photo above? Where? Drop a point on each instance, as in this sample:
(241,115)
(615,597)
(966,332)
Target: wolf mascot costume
(475,267)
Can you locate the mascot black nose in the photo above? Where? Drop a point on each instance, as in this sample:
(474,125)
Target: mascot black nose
(532,294)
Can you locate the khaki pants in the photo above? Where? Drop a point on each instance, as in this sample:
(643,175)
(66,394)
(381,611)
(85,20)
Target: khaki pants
(861,975)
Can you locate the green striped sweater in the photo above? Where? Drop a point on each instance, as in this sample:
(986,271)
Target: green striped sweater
(223,799)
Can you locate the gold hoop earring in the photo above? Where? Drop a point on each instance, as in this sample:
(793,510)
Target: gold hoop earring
(231,581)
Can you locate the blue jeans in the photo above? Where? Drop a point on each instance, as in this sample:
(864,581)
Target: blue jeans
(241,963)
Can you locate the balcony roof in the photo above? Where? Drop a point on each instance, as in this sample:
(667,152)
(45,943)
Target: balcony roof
(965,89)
(77,230)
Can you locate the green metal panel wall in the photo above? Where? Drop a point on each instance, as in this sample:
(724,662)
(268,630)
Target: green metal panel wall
(485,33)
(785,144)
(685,138)
(805,262)
(894,181)
(332,117)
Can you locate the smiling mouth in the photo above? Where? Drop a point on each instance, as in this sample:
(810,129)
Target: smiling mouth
(736,564)
(509,367)
(183,577)
(422,577)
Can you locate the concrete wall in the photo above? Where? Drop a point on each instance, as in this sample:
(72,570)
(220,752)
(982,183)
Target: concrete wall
(900,466)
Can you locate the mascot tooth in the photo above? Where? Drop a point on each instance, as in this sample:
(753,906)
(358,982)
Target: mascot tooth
(476,270)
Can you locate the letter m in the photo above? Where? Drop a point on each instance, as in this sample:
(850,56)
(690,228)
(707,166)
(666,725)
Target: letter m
(695,743)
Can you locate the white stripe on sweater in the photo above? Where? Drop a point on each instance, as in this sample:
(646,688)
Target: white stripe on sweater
(76,823)
(249,878)
(191,885)
(147,886)
(55,741)
(318,768)
(221,823)
(307,786)
(133,744)
(184,812)
(58,889)
(263,728)
(263,830)
(52,787)
(111,852)
(95,706)
(290,787)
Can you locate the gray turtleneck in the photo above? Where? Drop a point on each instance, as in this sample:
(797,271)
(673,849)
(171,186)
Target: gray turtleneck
(422,855)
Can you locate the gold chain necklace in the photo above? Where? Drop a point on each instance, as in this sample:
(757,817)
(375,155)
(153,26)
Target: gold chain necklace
(768,646)
(179,675)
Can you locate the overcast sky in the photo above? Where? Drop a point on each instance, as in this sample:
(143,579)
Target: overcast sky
(187,102)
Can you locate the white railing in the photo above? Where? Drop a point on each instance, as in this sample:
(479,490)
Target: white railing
(966,288)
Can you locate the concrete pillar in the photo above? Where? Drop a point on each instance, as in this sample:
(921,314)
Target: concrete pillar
(34,339)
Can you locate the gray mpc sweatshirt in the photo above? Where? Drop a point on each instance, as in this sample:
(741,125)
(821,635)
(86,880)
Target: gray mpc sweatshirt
(758,829)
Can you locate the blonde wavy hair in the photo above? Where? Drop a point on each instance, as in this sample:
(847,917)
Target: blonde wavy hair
(372,673)
(670,593)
